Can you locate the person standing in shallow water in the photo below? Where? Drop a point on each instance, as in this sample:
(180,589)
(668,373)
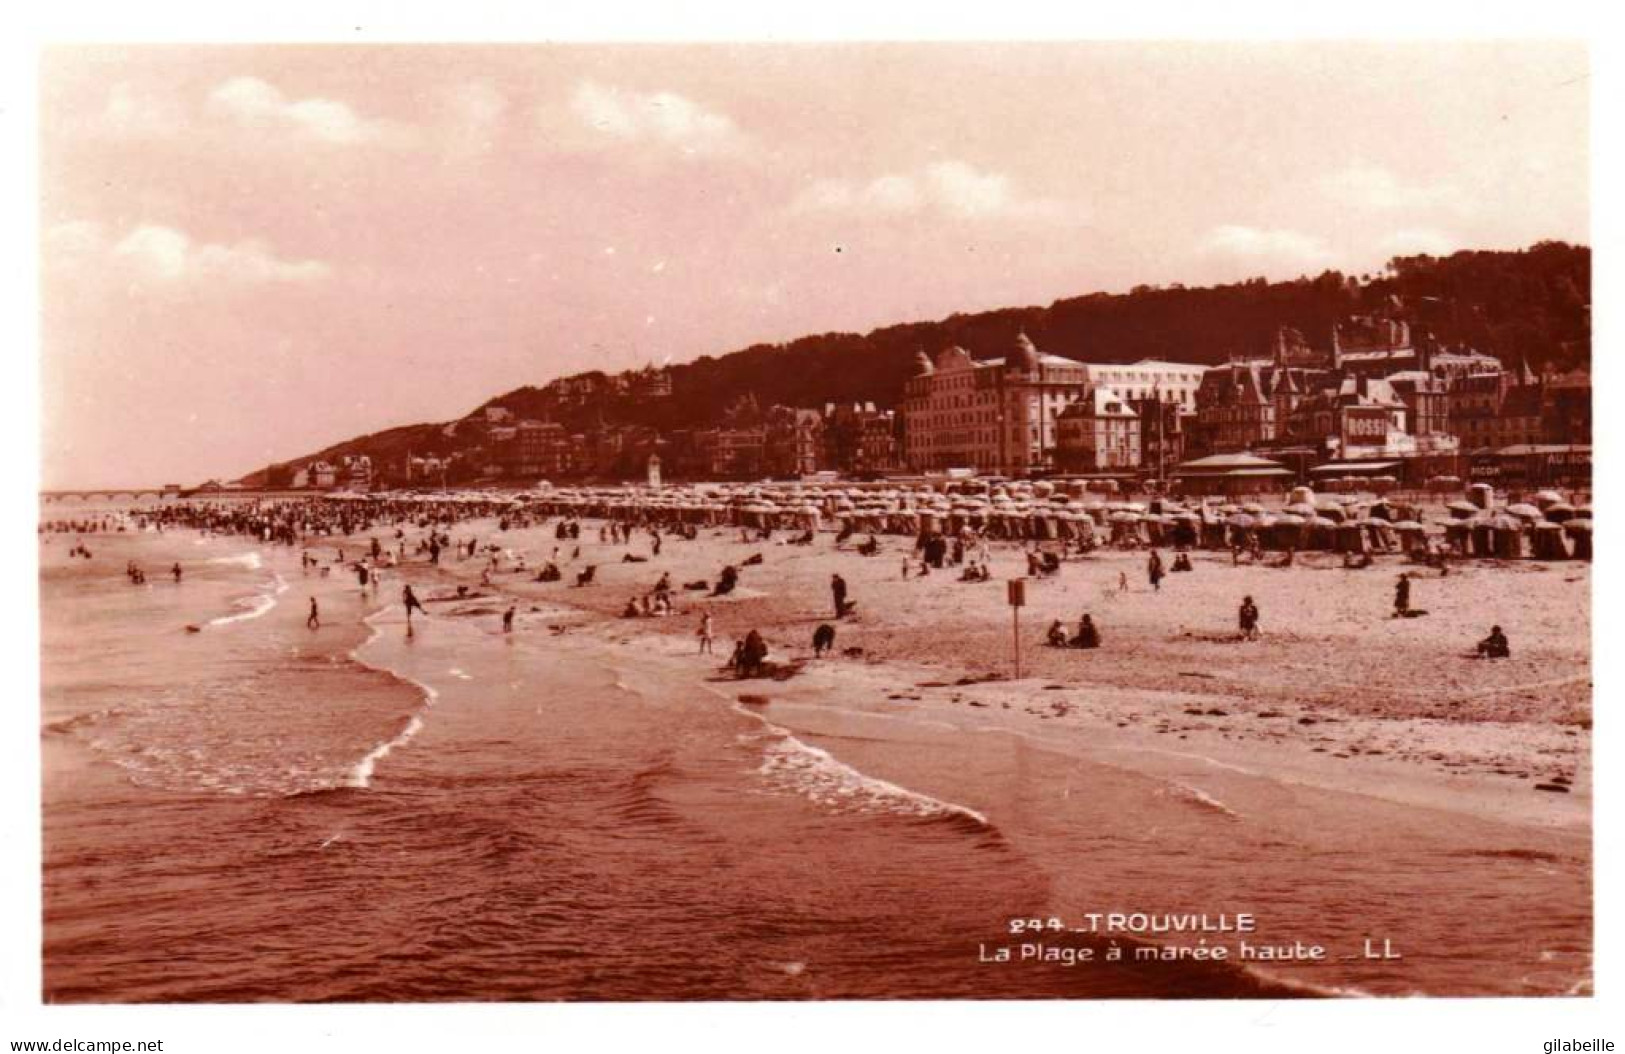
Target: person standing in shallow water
(314,619)
(507,620)
(411,602)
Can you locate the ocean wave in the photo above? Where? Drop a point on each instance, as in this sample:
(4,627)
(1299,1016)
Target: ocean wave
(361,775)
(1203,800)
(248,560)
(818,776)
(257,605)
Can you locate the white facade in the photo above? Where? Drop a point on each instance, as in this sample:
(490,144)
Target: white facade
(1173,382)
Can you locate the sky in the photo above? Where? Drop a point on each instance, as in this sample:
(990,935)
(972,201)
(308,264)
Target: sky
(250,252)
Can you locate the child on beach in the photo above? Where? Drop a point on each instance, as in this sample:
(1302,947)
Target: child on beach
(1248,618)
(704,633)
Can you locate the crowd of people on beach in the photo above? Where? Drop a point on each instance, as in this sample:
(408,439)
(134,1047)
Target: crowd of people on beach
(400,531)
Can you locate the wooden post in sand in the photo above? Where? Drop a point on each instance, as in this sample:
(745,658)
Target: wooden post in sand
(1018,596)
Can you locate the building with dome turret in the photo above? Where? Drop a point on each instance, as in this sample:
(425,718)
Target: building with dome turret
(996,416)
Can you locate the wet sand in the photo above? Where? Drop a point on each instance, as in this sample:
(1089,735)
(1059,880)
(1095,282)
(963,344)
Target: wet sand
(1337,691)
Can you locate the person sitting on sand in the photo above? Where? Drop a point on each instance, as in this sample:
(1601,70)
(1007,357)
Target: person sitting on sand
(823,639)
(1248,619)
(736,661)
(754,656)
(1056,638)
(631,609)
(1182,562)
(726,581)
(1088,634)
(1495,646)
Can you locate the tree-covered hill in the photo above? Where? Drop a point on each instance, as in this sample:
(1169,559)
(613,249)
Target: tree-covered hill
(1532,304)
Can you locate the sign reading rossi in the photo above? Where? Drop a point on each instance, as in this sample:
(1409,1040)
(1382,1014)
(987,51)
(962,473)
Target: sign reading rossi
(1364,426)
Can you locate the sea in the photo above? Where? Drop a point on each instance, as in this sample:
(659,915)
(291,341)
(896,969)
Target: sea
(238,807)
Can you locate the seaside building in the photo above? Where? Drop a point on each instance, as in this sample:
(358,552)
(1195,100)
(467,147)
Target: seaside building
(732,453)
(357,471)
(993,416)
(1098,433)
(1164,428)
(1236,407)
(1172,382)
(860,440)
(793,441)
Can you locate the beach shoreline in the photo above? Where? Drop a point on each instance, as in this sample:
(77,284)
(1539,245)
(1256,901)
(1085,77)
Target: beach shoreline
(1453,731)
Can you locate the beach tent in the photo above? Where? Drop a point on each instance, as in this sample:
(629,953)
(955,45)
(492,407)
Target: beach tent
(1549,542)
(1579,531)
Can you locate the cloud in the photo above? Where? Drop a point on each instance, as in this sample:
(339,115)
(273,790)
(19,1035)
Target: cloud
(663,119)
(164,256)
(1414,241)
(1372,187)
(949,188)
(474,115)
(132,113)
(1262,246)
(261,106)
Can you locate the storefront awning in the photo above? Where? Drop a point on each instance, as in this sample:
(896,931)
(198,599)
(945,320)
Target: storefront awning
(1352,468)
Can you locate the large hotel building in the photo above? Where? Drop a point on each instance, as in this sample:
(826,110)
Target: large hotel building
(996,416)
(1003,416)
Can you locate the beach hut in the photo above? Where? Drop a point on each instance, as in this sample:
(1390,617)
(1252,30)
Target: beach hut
(1549,542)
(1579,531)
(1412,536)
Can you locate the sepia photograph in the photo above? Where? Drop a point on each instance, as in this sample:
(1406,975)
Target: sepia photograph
(765,520)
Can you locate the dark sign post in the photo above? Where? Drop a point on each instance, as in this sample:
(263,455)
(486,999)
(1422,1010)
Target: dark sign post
(1018,598)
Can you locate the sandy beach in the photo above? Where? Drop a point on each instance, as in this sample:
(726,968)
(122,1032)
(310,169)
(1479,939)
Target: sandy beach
(1336,692)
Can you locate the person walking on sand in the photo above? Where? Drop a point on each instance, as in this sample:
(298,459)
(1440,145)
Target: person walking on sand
(1248,619)
(837,588)
(507,620)
(1402,595)
(1153,570)
(704,633)
(314,619)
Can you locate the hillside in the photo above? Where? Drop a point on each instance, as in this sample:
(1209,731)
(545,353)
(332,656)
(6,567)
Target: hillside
(1532,304)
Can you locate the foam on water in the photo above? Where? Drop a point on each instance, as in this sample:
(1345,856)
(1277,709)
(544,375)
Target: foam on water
(820,777)
(259,604)
(361,775)
(248,560)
